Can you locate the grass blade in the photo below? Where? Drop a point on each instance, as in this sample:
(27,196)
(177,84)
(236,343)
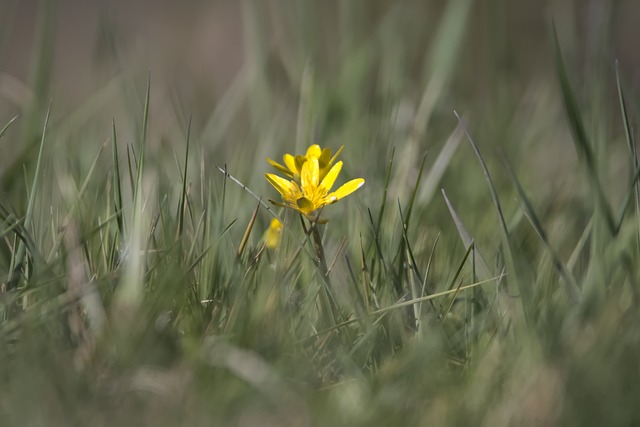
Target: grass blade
(441,164)
(466,238)
(583,147)
(247,232)
(529,211)
(117,189)
(506,238)
(8,125)
(632,148)
(19,258)
(183,195)
(383,203)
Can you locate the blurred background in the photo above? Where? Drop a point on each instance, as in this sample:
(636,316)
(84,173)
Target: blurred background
(392,68)
(206,42)
(379,74)
(237,66)
(197,49)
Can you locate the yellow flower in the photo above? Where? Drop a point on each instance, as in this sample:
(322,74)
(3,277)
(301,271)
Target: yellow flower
(273,234)
(313,192)
(293,164)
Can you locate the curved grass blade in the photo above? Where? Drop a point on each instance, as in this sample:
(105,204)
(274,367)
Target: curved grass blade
(8,125)
(245,188)
(506,239)
(529,211)
(467,240)
(583,146)
(632,148)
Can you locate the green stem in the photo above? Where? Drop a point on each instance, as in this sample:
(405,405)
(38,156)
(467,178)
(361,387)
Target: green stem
(317,244)
(327,304)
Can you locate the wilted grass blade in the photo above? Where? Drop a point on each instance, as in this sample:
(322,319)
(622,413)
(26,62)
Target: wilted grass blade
(247,232)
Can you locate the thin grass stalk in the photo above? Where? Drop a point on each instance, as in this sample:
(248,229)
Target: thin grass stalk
(327,304)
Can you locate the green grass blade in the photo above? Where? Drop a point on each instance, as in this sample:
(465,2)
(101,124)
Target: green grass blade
(408,303)
(414,265)
(383,202)
(248,190)
(117,188)
(415,190)
(454,279)
(632,148)
(487,175)
(441,60)
(583,146)
(435,174)
(131,160)
(19,258)
(42,63)
(467,240)
(378,246)
(143,142)
(505,236)
(183,194)
(8,125)
(529,211)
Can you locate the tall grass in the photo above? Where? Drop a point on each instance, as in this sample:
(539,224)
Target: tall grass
(137,289)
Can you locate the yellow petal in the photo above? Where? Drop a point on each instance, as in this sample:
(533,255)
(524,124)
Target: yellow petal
(283,186)
(330,178)
(314,151)
(272,236)
(324,158)
(275,224)
(310,175)
(290,161)
(299,161)
(345,190)
(279,167)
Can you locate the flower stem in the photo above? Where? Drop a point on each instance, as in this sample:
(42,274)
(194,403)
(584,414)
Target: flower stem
(327,304)
(317,244)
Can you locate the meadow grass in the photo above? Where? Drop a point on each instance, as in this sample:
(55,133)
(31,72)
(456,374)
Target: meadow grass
(486,273)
